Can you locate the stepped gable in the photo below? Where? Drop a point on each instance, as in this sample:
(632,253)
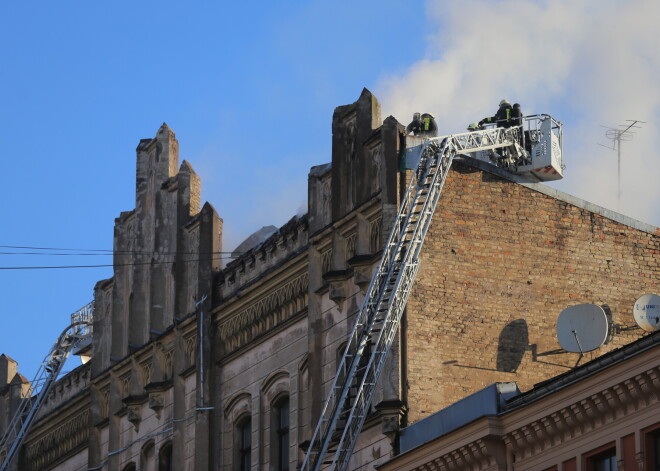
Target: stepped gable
(163,254)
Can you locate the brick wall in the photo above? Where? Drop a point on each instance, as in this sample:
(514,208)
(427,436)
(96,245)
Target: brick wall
(499,264)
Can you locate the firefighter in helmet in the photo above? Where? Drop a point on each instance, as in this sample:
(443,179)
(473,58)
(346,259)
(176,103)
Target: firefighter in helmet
(502,118)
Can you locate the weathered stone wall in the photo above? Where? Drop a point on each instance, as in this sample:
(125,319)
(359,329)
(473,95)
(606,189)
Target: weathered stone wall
(146,359)
(250,383)
(286,307)
(499,264)
(166,254)
(67,388)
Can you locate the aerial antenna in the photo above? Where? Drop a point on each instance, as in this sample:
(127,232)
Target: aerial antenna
(617,135)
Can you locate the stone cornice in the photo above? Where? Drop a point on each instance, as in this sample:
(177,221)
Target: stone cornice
(586,414)
(285,245)
(597,403)
(59,443)
(264,313)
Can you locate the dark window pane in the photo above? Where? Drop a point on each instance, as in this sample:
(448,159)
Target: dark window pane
(244,445)
(165,458)
(605,461)
(281,411)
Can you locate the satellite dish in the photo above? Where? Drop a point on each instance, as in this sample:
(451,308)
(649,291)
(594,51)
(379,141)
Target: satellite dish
(582,328)
(647,312)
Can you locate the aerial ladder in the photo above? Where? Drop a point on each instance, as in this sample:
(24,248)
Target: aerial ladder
(76,335)
(531,149)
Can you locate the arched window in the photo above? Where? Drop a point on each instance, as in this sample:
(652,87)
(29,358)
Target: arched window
(243,444)
(280,434)
(130,467)
(148,457)
(165,458)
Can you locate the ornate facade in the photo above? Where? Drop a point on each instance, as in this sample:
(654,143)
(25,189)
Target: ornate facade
(199,367)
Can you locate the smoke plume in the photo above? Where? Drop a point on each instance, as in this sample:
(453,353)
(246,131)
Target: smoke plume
(586,63)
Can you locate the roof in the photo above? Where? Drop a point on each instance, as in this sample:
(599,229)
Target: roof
(502,398)
(560,195)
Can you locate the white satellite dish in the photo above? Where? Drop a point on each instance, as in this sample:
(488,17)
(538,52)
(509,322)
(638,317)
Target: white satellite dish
(582,328)
(647,312)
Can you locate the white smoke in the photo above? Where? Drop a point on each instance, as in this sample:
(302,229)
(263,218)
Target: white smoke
(586,63)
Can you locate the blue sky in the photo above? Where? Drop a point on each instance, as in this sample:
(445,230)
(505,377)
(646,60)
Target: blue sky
(249,89)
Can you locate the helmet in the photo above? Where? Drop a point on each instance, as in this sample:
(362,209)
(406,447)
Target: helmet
(428,115)
(504,102)
(416,116)
(473,126)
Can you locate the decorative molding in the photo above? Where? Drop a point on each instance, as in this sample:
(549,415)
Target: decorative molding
(156,402)
(57,443)
(105,403)
(375,233)
(351,244)
(555,429)
(146,373)
(476,455)
(585,415)
(326,258)
(190,346)
(264,314)
(168,356)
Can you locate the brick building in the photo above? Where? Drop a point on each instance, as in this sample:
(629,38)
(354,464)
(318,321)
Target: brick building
(601,416)
(198,367)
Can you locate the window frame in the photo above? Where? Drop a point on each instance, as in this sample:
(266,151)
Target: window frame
(241,448)
(608,450)
(651,443)
(165,462)
(280,433)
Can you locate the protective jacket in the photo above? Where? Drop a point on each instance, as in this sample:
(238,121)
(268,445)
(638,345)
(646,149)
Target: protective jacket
(502,118)
(429,126)
(516,115)
(415,127)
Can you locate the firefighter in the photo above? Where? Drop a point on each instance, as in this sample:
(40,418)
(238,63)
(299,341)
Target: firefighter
(474,127)
(516,114)
(429,126)
(503,116)
(415,126)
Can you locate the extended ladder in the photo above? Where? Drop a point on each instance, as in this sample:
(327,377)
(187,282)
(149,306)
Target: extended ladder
(376,324)
(79,330)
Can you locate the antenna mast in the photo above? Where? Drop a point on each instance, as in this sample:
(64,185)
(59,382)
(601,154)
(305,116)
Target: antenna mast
(617,135)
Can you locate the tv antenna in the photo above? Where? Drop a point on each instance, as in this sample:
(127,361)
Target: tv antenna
(617,135)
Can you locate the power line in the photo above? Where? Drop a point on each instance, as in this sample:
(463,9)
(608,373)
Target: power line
(114,265)
(99,251)
(82,254)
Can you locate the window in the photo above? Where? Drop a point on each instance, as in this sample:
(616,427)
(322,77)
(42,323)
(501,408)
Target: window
(243,444)
(280,434)
(165,458)
(603,461)
(652,450)
(148,457)
(130,467)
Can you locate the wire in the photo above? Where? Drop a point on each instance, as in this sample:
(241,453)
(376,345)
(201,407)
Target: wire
(167,428)
(97,251)
(118,253)
(114,264)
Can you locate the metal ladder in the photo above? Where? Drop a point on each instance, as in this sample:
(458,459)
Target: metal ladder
(79,330)
(349,399)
